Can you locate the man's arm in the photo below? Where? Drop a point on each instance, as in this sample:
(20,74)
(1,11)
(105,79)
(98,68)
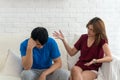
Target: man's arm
(57,64)
(27,60)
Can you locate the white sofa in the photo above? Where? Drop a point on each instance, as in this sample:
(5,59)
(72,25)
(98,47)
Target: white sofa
(10,60)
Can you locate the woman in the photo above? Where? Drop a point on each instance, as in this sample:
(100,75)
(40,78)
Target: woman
(94,50)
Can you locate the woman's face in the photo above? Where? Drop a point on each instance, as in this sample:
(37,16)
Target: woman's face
(91,32)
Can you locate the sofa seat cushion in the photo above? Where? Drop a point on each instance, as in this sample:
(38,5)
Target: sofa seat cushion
(4,77)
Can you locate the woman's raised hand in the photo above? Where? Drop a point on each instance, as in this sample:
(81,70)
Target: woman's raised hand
(58,35)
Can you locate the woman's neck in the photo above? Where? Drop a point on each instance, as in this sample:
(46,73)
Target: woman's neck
(91,38)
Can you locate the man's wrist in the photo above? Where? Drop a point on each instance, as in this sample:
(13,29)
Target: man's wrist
(45,73)
(29,48)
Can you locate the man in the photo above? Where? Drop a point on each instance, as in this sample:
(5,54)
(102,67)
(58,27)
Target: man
(37,53)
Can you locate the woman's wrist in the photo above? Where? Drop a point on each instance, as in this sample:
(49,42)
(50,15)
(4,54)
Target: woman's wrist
(63,39)
(95,61)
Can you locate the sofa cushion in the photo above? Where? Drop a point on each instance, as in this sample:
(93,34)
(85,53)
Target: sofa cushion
(100,75)
(11,41)
(3,58)
(4,77)
(72,60)
(12,65)
(111,71)
(63,54)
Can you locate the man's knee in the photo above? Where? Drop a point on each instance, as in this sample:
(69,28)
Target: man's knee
(27,75)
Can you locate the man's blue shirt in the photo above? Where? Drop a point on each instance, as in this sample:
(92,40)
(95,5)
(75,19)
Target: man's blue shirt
(42,57)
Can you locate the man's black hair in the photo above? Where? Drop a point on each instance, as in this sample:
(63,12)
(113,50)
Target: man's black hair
(40,34)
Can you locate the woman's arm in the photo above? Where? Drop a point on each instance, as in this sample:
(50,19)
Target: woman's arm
(71,51)
(106,58)
(108,55)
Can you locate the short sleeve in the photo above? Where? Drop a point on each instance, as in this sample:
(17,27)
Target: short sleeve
(103,41)
(54,52)
(23,47)
(78,44)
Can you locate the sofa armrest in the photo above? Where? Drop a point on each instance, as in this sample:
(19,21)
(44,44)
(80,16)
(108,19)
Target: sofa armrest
(110,71)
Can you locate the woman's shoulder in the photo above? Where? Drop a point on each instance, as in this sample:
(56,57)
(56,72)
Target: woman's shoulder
(84,36)
(103,41)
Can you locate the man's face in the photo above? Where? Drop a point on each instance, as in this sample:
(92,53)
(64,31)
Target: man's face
(38,45)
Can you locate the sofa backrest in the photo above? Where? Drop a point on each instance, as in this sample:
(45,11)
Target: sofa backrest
(11,41)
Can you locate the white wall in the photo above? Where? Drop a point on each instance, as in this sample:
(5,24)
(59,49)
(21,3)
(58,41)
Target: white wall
(71,16)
